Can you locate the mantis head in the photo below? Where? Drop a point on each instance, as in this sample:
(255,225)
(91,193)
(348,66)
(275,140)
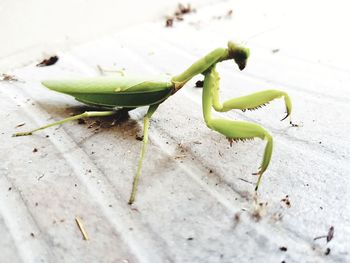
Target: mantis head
(239,53)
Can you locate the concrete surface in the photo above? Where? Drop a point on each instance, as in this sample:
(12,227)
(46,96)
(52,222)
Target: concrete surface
(195,201)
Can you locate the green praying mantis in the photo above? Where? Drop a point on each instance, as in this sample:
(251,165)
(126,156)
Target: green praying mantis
(112,93)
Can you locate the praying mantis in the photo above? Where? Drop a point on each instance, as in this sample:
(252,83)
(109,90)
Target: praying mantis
(111,93)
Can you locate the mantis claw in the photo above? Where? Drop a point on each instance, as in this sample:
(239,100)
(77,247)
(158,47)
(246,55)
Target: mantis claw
(131,201)
(290,121)
(258,182)
(285,117)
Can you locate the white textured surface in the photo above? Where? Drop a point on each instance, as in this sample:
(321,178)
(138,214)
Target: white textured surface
(36,28)
(191,189)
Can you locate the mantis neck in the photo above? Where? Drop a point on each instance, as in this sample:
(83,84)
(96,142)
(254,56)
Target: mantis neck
(199,67)
(233,51)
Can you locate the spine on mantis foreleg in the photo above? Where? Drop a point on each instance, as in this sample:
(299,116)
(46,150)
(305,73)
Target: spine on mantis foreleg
(250,103)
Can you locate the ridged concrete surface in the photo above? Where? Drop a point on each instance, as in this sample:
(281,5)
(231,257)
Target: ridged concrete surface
(195,202)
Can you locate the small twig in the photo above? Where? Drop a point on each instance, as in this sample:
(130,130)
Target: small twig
(41,177)
(81,228)
(20,125)
(179,157)
(244,180)
(329,236)
(319,237)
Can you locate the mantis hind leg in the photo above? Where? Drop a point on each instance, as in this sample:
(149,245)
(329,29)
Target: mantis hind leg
(236,130)
(146,121)
(83,115)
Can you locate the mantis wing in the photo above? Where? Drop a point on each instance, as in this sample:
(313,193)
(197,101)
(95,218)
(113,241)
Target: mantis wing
(114,91)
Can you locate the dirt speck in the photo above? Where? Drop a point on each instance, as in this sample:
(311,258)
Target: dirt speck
(199,84)
(228,15)
(284,249)
(259,209)
(286,201)
(7,77)
(178,15)
(81,121)
(276,217)
(139,138)
(48,62)
(169,21)
(237,219)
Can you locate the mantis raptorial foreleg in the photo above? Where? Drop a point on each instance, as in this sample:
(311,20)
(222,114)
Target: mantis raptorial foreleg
(75,117)
(248,102)
(146,121)
(236,130)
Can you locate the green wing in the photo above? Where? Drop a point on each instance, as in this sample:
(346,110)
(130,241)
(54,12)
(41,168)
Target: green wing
(114,91)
